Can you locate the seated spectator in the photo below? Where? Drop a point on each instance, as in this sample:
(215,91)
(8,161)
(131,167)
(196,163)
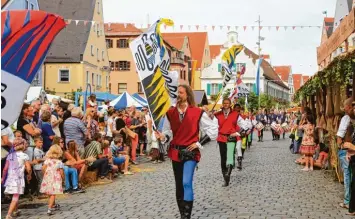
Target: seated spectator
(107,153)
(93,150)
(74,160)
(120,154)
(75,129)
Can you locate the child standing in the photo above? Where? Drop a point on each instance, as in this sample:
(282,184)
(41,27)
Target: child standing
(38,159)
(53,177)
(14,169)
(308,143)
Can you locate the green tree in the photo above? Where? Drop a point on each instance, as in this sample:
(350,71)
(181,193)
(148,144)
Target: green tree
(227,93)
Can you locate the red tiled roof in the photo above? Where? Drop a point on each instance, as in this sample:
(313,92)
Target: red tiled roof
(305,78)
(283,72)
(297,80)
(176,42)
(269,72)
(197,41)
(329,19)
(120,28)
(266,56)
(215,50)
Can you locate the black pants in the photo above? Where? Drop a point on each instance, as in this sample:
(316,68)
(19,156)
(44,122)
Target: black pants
(273,134)
(352,185)
(102,165)
(223,153)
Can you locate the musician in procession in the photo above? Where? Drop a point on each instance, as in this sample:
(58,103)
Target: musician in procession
(227,139)
(261,119)
(181,129)
(251,121)
(273,121)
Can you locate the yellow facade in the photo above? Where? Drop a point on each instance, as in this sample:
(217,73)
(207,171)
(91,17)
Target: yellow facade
(93,70)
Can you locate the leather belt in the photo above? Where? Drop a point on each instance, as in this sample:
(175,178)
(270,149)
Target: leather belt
(178,147)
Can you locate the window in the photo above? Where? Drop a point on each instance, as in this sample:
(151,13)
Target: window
(206,52)
(124,65)
(106,82)
(353,41)
(109,43)
(97,54)
(94,28)
(214,89)
(122,87)
(92,79)
(98,30)
(27,4)
(103,55)
(112,66)
(140,88)
(64,75)
(92,50)
(122,43)
(87,77)
(109,87)
(32,6)
(98,7)
(97,81)
(116,66)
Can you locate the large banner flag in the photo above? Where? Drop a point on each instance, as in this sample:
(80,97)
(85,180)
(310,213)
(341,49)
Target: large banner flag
(241,90)
(257,78)
(152,62)
(25,40)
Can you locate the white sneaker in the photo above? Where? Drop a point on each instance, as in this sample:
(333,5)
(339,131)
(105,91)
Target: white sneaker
(305,169)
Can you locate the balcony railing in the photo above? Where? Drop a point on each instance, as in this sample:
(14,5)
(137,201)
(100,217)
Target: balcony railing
(175,60)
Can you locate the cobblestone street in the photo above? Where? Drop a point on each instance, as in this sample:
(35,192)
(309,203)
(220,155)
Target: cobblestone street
(270,185)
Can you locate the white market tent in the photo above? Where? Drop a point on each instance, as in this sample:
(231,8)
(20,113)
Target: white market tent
(125,100)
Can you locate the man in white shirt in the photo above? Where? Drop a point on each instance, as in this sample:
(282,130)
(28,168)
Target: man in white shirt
(345,129)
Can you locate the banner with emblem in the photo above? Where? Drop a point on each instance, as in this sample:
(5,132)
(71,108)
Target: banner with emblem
(152,63)
(26,36)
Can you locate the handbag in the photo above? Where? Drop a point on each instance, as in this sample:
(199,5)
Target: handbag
(185,155)
(292,136)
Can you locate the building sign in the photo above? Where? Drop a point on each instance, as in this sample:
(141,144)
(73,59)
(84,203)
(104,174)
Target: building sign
(344,30)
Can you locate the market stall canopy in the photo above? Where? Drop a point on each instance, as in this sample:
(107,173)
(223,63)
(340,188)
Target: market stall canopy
(50,97)
(140,99)
(124,101)
(35,93)
(200,97)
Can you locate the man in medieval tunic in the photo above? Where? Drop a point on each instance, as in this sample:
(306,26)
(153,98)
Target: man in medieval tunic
(227,139)
(182,129)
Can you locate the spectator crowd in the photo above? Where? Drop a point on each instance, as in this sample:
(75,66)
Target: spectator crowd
(57,148)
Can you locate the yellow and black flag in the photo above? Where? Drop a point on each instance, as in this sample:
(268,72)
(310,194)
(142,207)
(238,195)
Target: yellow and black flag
(152,62)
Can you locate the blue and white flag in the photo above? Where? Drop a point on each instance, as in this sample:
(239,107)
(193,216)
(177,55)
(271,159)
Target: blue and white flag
(257,78)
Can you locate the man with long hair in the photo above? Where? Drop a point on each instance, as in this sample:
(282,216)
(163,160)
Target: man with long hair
(227,138)
(181,129)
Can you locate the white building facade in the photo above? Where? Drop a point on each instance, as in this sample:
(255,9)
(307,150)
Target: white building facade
(211,77)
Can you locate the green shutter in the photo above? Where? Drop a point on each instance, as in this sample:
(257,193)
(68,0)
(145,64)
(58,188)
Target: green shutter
(219,87)
(208,89)
(219,67)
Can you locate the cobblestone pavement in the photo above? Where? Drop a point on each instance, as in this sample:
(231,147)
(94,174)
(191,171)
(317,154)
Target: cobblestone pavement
(270,185)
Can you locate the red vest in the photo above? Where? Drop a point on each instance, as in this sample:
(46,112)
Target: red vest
(186,132)
(226,125)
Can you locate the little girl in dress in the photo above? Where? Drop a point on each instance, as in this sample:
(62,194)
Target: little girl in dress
(13,173)
(53,176)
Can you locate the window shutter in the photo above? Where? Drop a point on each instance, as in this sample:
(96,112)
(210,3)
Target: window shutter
(208,89)
(219,87)
(219,68)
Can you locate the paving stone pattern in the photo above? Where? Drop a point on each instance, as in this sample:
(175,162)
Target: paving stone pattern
(270,185)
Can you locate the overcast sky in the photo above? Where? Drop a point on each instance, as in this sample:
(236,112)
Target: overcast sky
(291,47)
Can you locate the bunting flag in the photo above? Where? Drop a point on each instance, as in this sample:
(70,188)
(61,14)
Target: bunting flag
(236,28)
(26,37)
(252,27)
(221,27)
(213,27)
(197,26)
(228,28)
(181,26)
(189,26)
(261,27)
(152,62)
(245,27)
(277,27)
(257,78)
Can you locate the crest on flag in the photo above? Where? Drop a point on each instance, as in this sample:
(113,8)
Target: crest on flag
(152,62)
(26,36)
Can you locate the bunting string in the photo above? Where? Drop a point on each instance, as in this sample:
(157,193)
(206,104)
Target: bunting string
(198,27)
